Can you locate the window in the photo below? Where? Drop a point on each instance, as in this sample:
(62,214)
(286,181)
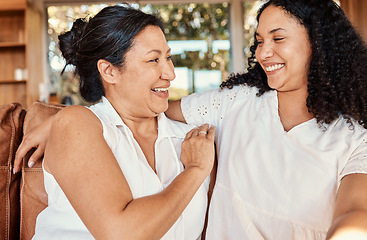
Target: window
(196,33)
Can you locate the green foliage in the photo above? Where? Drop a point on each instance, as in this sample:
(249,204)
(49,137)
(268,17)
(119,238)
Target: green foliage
(192,21)
(195,22)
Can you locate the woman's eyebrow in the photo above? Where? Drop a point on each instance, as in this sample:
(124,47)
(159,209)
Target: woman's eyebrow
(154,51)
(157,51)
(277,29)
(273,31)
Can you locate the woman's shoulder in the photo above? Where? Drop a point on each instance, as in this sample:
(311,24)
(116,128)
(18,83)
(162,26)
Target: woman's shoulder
(75,116)
(213,105)
(242,89)
(225,95)
(347,129)
(73,112)
(238,95)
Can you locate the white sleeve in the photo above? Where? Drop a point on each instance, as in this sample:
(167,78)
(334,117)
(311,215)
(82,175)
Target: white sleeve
(211,106)
(197,108)
(357,162)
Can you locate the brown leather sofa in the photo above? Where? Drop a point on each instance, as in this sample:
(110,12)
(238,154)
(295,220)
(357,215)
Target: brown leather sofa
(22,195)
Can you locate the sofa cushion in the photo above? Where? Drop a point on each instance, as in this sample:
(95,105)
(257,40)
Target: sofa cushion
(11,124)
(33,198)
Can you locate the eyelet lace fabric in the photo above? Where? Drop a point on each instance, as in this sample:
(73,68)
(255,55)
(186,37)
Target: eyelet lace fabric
(216,104)
(290,179)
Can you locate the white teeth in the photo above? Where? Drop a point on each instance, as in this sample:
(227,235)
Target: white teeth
(274,67)
(160,89)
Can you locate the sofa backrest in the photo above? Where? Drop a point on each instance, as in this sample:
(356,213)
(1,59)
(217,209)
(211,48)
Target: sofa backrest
(33,198)
(11,127)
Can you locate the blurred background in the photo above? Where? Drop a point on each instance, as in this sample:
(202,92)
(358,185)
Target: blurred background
(208,39)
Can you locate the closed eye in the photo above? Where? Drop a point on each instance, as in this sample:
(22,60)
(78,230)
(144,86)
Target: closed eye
(154,60)
(278,39)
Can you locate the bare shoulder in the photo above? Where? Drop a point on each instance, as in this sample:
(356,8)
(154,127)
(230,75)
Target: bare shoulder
(76,117)
(75,130)
(76,125)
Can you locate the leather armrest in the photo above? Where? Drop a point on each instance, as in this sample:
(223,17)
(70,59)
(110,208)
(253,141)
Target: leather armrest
(11,127)
(33,197)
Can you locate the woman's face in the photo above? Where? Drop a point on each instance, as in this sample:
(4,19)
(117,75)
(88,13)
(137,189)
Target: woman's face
(283,50)
(145,78)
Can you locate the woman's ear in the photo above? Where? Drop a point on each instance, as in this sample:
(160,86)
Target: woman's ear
(106,70)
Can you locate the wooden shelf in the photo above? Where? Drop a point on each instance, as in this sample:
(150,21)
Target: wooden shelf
(11,44)
(20,48)
(13,81)
(6,5)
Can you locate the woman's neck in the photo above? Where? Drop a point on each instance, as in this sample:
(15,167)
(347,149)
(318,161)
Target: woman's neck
(139,124)
(292,109)
(142,126)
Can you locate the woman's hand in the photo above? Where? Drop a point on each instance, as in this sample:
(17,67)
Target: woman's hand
(197,150)
(83,164)
(37,138)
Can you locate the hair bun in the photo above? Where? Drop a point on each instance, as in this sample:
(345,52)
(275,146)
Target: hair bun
(69,41)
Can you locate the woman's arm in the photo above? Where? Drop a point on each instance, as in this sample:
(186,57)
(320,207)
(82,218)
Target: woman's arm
(85,168)
(37,138)
(350,217)
(174,111)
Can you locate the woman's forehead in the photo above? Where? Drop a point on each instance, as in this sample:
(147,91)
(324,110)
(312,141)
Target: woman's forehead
(273,18)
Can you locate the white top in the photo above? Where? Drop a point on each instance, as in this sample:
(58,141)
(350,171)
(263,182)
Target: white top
(273,184)
(60,221)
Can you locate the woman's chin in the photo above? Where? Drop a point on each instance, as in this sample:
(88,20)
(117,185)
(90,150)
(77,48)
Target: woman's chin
(275,84)
(160,109)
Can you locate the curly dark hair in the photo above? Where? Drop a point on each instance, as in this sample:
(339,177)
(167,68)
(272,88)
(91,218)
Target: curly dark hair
(337,76)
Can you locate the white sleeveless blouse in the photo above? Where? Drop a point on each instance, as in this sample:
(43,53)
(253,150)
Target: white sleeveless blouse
(60,221)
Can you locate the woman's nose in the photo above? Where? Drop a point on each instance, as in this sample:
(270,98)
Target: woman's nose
(265,52)
(168,72)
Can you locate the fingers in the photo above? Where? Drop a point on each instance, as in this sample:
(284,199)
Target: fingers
(201,131)
(22,151)
(36,138)
(190,133)
(35,156)
(211,133)
(19,155)
(197,150)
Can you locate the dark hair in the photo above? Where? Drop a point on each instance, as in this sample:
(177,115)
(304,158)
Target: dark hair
(108,35)
(337,76)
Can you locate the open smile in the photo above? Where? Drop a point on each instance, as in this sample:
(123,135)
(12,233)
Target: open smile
(160,89)
(161,92)
(272,68)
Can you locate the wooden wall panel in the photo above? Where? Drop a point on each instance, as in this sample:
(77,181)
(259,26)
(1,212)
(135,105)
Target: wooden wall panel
(35,63)
(356,10)
(20,48)
(14,92)
(12,26)
(12,4)
(10,59)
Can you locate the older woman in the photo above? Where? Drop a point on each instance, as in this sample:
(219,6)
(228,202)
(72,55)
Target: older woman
(116,170)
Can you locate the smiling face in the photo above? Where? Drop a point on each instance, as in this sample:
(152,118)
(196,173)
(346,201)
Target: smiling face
(283,50)
(143,82)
